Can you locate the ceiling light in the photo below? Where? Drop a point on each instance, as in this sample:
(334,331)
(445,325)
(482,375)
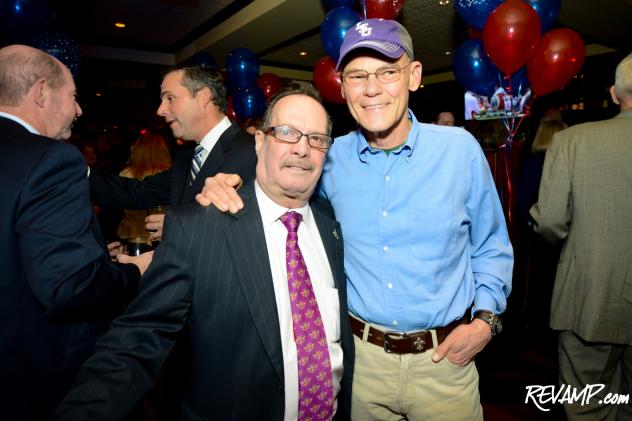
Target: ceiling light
(447,53)
(444,2)
(119,25)
(302,53)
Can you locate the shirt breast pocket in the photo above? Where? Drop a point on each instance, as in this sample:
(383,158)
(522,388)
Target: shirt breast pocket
(432,231)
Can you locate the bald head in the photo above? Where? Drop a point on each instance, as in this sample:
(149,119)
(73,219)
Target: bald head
(21,67)
(39,89)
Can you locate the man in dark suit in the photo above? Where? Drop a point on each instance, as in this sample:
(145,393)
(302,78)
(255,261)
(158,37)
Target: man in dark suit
(193,103)
(225,277)
(58,289)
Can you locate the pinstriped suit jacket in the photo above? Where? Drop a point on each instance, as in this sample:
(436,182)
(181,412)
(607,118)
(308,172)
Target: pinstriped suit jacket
(211,276)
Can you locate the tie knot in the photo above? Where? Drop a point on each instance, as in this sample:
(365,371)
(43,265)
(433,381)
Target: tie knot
(199,150)
(291,221)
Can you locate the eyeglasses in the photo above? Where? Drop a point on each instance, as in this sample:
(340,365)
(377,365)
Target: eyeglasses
(289,135)
(386,74)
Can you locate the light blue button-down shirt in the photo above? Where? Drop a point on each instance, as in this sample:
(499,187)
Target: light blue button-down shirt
(424,232)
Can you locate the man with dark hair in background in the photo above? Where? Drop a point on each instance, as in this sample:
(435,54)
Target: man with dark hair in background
(193,104)
(58,289)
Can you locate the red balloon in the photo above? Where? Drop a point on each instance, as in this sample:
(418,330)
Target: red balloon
(511,34)
(385,9)
(230,110)
(327,80)
(269,84)
(557,58)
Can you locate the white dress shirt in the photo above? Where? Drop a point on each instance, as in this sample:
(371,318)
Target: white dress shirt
(210,139)
(21,122)
(320,274)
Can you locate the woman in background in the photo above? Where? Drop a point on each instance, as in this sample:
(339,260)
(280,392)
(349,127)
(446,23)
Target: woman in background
(531,172)
(149,155)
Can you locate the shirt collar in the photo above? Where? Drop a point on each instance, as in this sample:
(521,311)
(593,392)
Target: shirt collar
(21,122)
(271,211)
(211,138)
(406,149)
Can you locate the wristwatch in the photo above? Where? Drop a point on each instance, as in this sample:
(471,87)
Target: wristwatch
(493,320)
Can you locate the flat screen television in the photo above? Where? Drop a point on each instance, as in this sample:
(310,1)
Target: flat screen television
(499,105)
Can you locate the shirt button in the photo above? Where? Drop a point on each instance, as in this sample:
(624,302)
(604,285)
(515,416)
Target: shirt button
(385,248)
(389,285)
(384,214)
(387,178)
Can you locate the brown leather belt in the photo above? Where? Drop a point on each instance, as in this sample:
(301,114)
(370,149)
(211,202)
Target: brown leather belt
(400,342)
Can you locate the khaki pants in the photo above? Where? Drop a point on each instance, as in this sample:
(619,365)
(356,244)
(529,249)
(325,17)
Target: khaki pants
(411,387)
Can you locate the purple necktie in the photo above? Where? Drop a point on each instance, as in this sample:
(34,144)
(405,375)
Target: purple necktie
(315,388)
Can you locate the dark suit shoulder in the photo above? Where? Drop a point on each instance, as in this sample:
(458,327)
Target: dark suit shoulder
(323,206)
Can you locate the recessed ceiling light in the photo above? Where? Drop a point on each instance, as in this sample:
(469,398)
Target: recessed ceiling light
(444,2)
(302,53)
(447,53)
(98,94)
(120,25)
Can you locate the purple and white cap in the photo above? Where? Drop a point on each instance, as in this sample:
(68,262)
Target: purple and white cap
(387,37)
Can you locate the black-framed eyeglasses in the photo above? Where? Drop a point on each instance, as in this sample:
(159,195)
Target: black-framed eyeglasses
(290,135)
(386,74)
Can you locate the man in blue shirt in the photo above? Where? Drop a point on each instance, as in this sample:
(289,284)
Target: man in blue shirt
(424,234)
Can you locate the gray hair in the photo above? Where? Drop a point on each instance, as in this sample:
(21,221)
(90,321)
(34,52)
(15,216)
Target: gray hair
(195,78)
(623,78)
(293,88)
(21,69)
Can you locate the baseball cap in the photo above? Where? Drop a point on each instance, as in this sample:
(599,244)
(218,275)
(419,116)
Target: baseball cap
(385,36)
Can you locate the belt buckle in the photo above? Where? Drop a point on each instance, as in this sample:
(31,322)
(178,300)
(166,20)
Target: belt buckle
(392,335)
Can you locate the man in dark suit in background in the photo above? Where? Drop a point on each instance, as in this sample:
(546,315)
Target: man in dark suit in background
(58,288)
(226,277)
(193,103)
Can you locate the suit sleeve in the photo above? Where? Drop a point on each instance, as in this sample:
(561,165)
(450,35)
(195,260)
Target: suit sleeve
(130,193)
(554,209)
(68,270)
(129,357)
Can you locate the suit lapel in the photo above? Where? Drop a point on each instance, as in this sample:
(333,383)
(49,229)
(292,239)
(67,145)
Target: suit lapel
(180,177)
(212,164)
(330,234)
(246,241)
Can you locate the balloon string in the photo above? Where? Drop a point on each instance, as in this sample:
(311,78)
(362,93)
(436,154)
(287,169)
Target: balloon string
(364,8)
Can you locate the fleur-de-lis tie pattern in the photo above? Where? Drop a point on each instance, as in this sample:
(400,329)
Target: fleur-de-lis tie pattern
(196,163)
(315,387)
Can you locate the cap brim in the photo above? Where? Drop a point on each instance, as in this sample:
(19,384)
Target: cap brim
(388,49)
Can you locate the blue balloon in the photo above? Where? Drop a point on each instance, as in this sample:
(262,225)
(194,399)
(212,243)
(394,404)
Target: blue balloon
(242,68)
(476,12)
(332,4)
(473,69)
(202,58)
(249,102)
(62,47)
(334,29)
(548,10)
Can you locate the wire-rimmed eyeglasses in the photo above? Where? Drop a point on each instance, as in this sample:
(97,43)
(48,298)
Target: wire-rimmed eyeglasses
(386,74)
(290,135)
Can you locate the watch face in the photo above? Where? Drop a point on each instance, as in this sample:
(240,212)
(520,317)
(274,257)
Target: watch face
(497,325)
